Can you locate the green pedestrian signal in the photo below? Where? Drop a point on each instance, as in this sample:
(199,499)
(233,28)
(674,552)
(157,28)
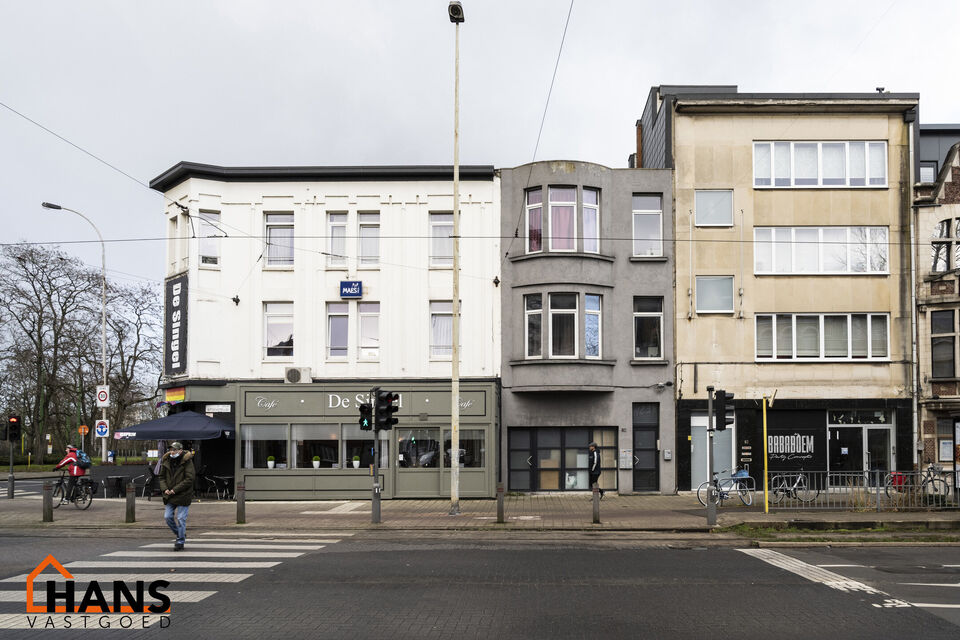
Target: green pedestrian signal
(366,416)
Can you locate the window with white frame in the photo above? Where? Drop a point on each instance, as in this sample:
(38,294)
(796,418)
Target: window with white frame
(714,294)
(369,330)
(836,163)
(279,234)
(563,325)
(441,239)
(647,327)
(441,329)
(592,326)
(563,218)
(943,343)
(209,233)
(820,250)
(337,234)
(534,213)
(338,332)
(591,220)
(369,239)
(533,325)
(278,329)
(823,336)
(647,225)
(713,208)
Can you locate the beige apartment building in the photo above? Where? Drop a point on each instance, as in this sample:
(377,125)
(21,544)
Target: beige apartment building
(792,274)
(937,207)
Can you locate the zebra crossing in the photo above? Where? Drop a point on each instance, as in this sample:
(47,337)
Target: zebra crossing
(212,561)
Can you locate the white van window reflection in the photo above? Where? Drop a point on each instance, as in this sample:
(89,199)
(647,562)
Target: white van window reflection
(418,448)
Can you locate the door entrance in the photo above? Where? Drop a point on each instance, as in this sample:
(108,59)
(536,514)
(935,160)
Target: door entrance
(878,450)
(646,433)
(722,450)
(557,459)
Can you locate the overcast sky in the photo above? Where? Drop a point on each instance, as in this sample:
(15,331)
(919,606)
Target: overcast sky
(146,84)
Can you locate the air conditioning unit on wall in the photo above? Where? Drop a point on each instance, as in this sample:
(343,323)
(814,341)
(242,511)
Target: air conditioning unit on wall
(297,375)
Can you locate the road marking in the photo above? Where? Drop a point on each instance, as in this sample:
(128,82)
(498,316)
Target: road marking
(270,534)
(174,577)
(926,605)
(175,596)
(809,571)
(235,545)
(198,541)
(59,621)
(348,507)
(172,559)
(185,564)
(835,566)
(932,584)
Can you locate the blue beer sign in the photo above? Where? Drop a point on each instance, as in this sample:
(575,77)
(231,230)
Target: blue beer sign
(351,289)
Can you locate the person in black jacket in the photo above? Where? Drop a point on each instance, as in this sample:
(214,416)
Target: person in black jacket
(177,476)
(595,466)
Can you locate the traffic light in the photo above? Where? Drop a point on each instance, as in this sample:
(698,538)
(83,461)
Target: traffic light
(366,416)
(723,408)
(385,410)
(14,428)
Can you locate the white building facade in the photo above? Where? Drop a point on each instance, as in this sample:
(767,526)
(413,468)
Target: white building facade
(301,288)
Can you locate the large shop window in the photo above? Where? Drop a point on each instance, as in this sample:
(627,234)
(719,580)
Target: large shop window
(210,234)
(357,442)
(809,337)
(418,448)
(563,325)
(647,225)
(279,239)
(820,164)
(647,327)
(472,448)
(337,231)
(311,440)
(557,458)
(259,441)
(943,343)
(820,250)
(533,310)
(278,329)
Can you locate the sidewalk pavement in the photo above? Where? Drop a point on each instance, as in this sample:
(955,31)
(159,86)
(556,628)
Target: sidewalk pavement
(567,511)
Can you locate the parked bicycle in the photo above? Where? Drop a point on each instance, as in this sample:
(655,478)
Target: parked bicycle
(929,483)
(739,484)
(792,485)
(82,495)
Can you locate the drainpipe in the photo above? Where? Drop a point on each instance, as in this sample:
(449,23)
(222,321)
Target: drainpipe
(690,282)
(915,370)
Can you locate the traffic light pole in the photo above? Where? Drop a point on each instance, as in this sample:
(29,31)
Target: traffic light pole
(711,488)
(375,503)
(10,478)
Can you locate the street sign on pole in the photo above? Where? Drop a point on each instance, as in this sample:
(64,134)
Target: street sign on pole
(83,429)
(102,428)
(103,395)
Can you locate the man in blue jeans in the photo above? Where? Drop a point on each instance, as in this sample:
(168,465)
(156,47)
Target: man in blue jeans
(177,476)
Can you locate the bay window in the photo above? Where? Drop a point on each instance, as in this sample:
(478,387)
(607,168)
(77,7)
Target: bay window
(533,326)
(534,211)
(563,325)
(591,220)
(563,218)
(592,326)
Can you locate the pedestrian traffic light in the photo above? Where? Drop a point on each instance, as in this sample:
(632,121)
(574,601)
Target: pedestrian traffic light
(385,410)
(366,416)
(723,408)
(14,428)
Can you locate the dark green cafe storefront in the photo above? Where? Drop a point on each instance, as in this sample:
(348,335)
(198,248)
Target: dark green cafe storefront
(319,452)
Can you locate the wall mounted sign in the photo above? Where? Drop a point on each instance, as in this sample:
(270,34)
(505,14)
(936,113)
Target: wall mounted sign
(175,326)
(350,289)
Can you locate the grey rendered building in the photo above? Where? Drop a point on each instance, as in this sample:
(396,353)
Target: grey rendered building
(587,330)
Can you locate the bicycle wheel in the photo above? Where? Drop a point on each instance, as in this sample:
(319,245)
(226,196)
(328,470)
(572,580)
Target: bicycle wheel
(936,487)
(803,489)
(702,493)
(746,496)
(84,497)
(777,489)
(889,487)
(57,495)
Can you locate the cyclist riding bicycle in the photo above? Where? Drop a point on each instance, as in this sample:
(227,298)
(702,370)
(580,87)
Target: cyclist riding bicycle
(76,471)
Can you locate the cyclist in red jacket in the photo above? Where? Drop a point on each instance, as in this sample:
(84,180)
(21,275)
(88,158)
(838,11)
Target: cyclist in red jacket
(76,471)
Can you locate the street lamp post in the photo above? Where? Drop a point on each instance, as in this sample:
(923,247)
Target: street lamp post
(455,11)
(103,309)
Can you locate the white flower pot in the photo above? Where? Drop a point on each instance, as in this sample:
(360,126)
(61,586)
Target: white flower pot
(271,463)
(356,464)
(316,464)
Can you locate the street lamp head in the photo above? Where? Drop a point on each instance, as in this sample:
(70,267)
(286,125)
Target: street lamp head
(50,205)
(455,11)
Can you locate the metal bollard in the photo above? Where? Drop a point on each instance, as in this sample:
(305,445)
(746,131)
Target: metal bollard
(11,481)
(131,503)
(241,496)
(499,503)
(596,503)
(48,501)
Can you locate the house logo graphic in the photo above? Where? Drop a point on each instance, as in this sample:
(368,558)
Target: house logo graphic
(59,594)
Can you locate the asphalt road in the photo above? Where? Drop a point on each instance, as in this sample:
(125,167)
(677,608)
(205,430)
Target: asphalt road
(483,585)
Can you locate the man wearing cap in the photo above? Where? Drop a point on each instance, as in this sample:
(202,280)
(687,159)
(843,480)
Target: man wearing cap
(595,467)
(76,471)
(176,485)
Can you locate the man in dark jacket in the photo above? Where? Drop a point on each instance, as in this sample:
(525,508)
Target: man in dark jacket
(595,467)
(177,476)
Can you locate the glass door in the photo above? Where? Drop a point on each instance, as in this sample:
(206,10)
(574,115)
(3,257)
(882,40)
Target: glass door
(878,452)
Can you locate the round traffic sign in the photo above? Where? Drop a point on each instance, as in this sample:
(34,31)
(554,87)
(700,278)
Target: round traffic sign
(103,395)
(83,429)
(102,428)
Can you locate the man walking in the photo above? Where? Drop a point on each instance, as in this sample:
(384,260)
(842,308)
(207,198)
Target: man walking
(595,467)
(176,484)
